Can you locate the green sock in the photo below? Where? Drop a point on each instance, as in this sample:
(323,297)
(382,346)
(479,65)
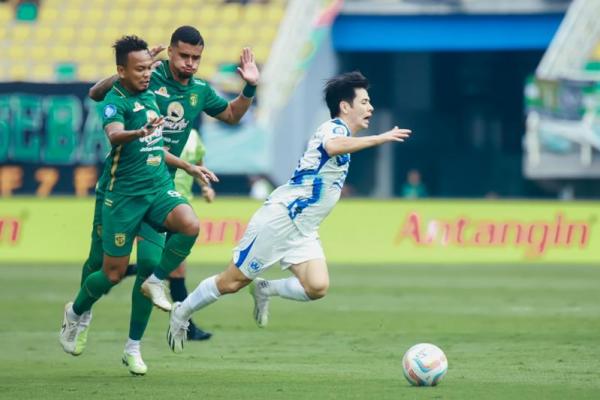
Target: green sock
(95,285)
(176,250)
(148,255)
(94,260)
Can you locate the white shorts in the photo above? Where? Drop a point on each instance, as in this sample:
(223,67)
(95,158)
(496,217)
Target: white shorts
(271,236)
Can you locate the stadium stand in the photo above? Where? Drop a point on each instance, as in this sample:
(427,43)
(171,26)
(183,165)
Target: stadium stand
(70,40)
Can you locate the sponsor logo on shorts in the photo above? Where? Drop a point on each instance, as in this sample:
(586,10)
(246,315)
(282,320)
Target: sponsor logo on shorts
(174,193)
(108,202)
(120,239)
(255,265)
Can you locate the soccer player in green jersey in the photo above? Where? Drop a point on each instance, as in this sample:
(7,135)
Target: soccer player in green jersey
(181,98)
(139,188)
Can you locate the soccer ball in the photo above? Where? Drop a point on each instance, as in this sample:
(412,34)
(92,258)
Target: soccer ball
(424,364)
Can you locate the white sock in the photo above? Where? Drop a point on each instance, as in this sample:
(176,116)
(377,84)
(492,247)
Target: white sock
(152,278)
(71,314)
(206,293)
(132,346)
(289,288)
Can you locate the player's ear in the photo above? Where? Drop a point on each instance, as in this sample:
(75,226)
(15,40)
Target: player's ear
(344,107)
(121,71)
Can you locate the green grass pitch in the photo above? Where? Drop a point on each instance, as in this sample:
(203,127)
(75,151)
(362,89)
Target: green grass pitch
(509,331)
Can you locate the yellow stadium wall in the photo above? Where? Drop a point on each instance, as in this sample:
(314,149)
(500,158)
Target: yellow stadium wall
(57,230)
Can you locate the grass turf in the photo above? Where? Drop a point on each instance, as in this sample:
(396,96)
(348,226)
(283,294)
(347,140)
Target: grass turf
(517,331)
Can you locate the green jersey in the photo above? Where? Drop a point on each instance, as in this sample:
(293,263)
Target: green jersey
(193,152)
(136,167)
(181,104)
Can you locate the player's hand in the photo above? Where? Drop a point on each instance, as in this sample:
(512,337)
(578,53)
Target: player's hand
(203,174)
(208,193)
(156,50)
(395,135)
(150,126)
(248,69)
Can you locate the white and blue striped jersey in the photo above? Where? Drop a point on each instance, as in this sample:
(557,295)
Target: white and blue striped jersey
(317,182)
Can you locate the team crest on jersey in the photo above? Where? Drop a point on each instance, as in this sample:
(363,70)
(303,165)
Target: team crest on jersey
(137,107)
(193,99)
(162,91)
(120,239)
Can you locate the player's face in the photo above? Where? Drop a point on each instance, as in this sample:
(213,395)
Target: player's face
(361,109)
(136,74)
(185,59)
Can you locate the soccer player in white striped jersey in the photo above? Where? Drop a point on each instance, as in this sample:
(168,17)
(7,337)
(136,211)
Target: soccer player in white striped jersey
(285,228)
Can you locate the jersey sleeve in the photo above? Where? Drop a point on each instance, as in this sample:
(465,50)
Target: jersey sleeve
(215,104)
(331,131)
(113,110)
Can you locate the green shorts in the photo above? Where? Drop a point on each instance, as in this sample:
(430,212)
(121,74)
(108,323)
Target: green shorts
(122,217)
(146,231)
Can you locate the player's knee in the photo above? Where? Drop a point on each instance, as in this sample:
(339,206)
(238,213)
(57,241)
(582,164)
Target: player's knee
(317,290)
(114,276)
(191,226)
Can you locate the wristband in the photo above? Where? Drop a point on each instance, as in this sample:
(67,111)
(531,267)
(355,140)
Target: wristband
(249,91)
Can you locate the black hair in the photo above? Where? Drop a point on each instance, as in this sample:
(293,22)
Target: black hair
(342,88)
(187,34)
(126,45)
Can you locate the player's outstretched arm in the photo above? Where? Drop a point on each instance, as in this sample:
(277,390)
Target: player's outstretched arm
(249,72)
(99,90)
(345,144)
(118,135)
(201,173)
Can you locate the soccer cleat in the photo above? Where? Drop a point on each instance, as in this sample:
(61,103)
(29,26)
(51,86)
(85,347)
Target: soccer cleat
(177,333)
(84,324)
(196,334)
(261,302)
(157,292)
(69,332)
(134,363)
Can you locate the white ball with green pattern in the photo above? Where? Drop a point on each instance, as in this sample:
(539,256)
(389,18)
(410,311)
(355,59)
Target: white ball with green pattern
(424,364)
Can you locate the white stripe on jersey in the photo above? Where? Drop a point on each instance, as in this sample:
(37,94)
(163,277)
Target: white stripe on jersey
(315,187)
